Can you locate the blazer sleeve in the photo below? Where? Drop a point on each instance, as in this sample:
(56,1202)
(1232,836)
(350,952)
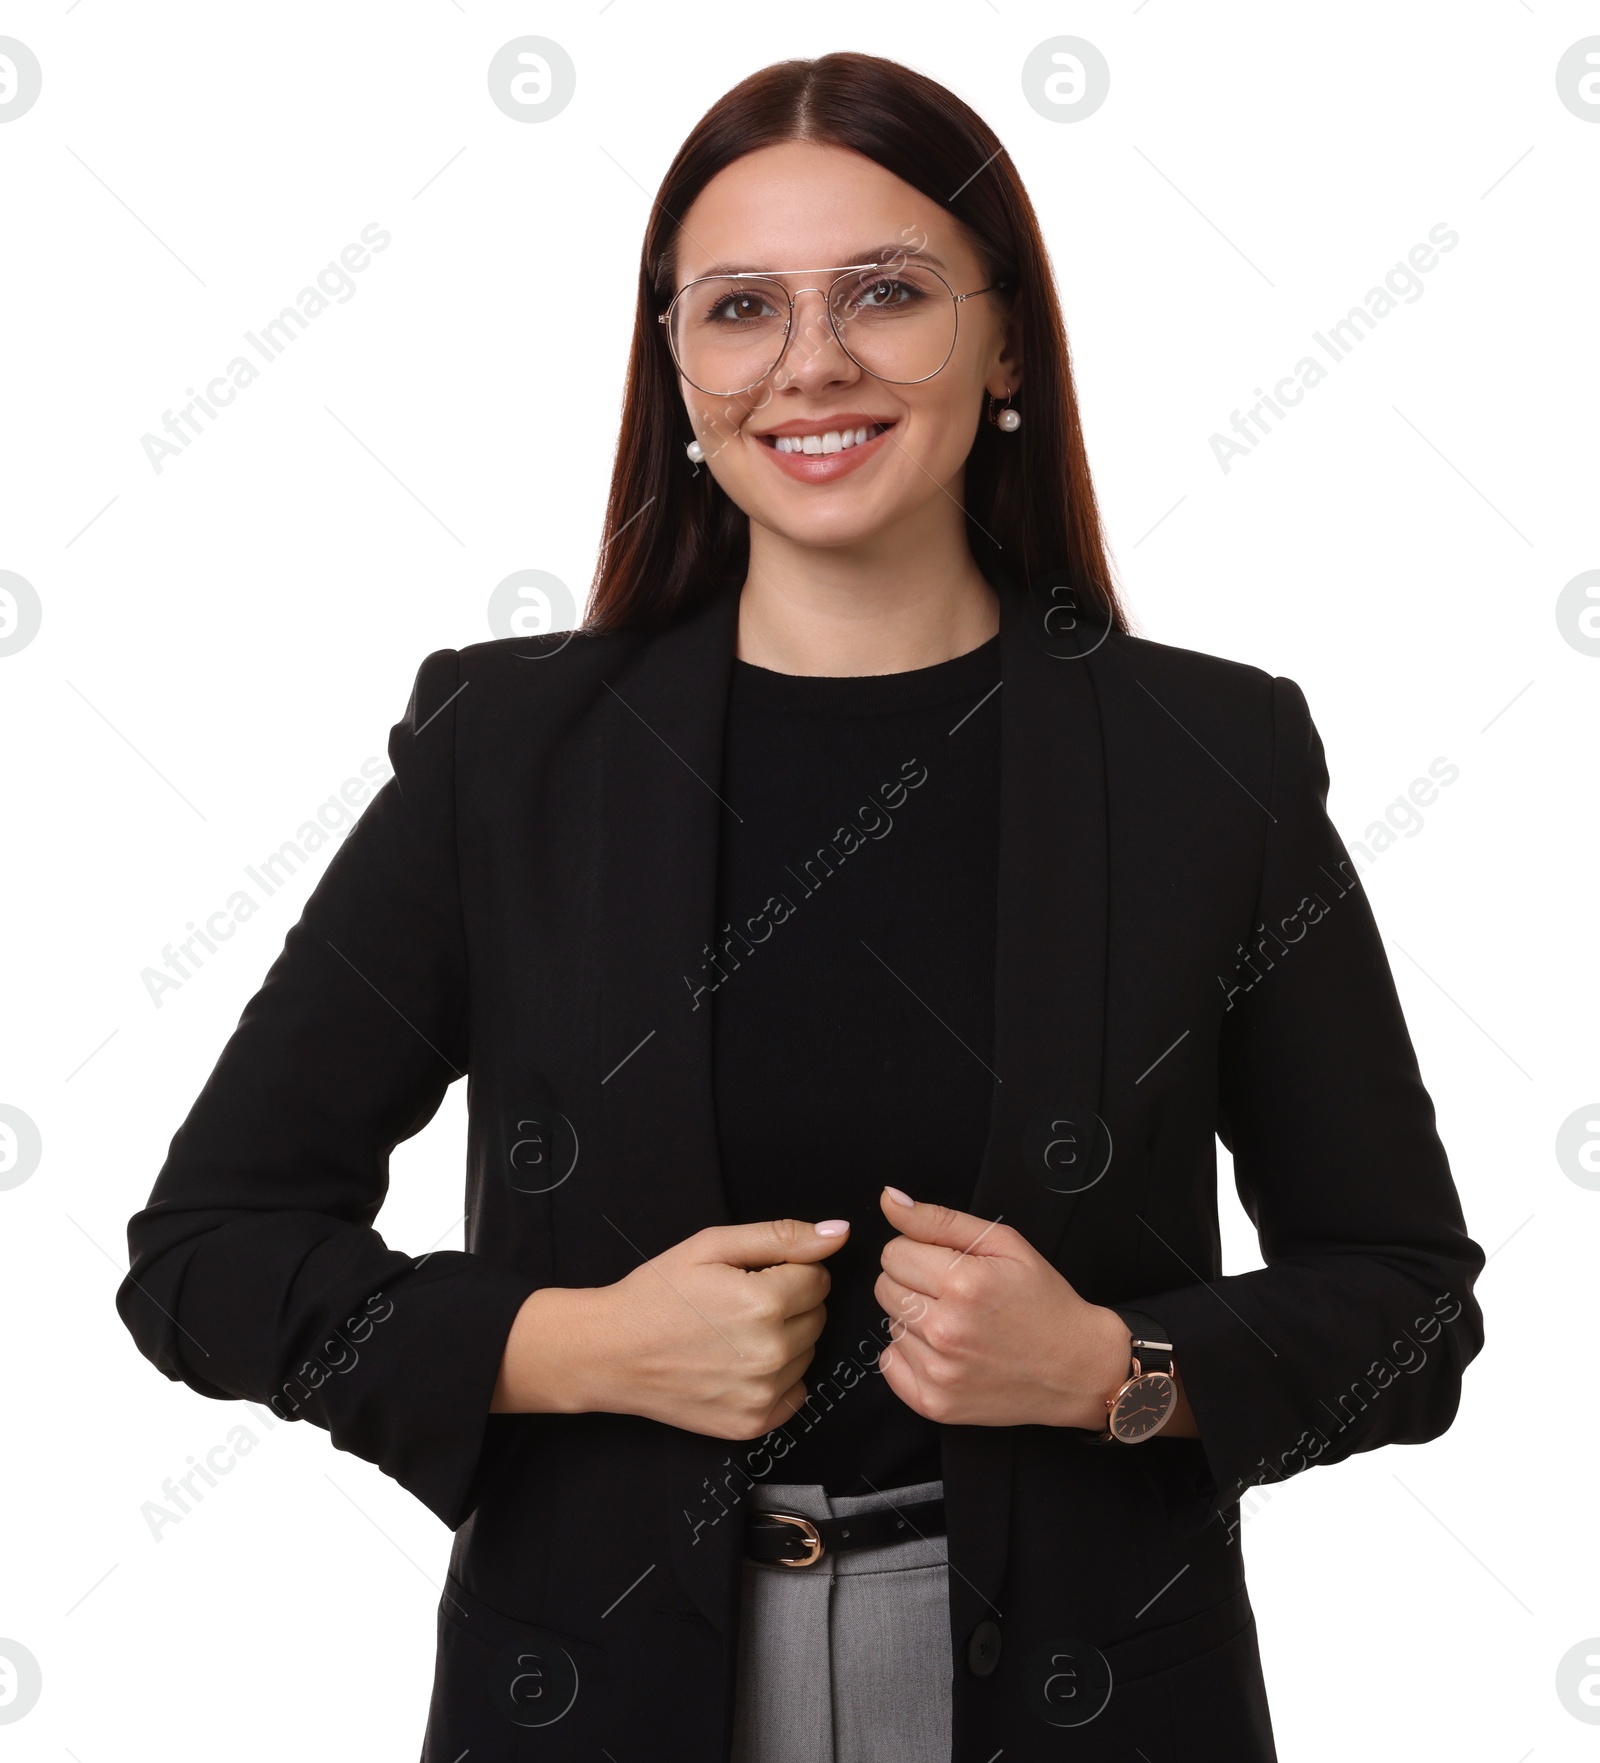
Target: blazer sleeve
(255,1268)
(1356,1332)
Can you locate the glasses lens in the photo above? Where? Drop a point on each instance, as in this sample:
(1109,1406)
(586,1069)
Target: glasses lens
(727,332)
(897,323)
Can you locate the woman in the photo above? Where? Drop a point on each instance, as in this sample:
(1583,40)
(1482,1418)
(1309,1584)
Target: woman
(840,1366)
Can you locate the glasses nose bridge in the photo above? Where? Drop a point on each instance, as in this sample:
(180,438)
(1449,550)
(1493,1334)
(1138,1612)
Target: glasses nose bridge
(795,328)
(813,288)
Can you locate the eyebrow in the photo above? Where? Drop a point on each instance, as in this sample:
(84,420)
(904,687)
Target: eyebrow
(866,254)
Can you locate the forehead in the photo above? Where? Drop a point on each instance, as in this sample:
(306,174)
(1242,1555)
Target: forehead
(803,205)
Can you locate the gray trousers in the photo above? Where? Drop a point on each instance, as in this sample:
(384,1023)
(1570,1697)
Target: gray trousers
(847,1661)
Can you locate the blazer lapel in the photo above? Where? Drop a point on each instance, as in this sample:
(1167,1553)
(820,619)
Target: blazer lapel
(662,715)
(1046,1144)
(1044,1148)
(658,1174)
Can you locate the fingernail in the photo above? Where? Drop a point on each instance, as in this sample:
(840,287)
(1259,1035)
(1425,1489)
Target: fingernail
(899,1198)
(832,1227)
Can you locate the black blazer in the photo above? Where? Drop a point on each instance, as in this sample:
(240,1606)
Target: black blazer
(1184,953)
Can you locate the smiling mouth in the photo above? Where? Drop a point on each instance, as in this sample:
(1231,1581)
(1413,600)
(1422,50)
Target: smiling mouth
(829,441)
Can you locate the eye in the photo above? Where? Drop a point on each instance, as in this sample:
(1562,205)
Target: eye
(883,295)
(742,306)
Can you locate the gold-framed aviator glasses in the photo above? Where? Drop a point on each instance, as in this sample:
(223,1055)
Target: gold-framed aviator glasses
(895,320)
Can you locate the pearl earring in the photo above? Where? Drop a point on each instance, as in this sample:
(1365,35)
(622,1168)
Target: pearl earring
(1008,421)
(695,451)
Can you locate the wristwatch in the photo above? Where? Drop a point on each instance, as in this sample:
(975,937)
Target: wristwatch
(1146,1399)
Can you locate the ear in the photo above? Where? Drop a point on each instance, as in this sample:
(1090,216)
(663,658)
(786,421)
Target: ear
(1008,360)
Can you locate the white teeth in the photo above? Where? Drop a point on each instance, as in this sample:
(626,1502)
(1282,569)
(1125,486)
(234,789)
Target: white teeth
(834,441)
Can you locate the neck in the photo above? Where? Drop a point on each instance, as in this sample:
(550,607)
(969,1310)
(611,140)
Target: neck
(905,598)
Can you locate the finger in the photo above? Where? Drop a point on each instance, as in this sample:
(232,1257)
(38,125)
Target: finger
(914,1355)
(928,1222)
(768,1243)
(925,1267)
(798,1286)
(905,1307)
(789,1374)
(800,1334)
(785,1408)
(904,1367)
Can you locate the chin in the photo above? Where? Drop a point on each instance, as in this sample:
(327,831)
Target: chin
(828,516)
(830,528)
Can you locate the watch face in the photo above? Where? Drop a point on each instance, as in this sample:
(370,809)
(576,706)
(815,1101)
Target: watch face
(1143,1406)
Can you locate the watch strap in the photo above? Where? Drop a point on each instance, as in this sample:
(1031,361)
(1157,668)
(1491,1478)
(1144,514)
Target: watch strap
(1144,1327)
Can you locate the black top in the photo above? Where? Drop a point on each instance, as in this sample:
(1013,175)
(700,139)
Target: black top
(854,1019)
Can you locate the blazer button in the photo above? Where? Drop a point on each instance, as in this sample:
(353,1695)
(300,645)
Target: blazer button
(983,1649)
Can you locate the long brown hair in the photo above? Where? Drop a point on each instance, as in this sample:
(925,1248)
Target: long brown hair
(674,538)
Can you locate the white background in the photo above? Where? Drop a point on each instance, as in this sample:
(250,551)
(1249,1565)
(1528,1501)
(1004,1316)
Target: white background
(225,641)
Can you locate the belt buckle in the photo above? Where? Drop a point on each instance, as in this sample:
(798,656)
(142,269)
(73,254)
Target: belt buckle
(813,1538)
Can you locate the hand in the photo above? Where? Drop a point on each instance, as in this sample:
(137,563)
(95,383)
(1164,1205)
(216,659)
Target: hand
(710,1336)
(987,1332)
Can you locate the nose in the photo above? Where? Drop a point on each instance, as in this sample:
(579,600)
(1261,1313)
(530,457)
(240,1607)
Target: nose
(814,354)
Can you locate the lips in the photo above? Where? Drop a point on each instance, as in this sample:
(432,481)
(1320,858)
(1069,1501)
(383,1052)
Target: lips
(833,455)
